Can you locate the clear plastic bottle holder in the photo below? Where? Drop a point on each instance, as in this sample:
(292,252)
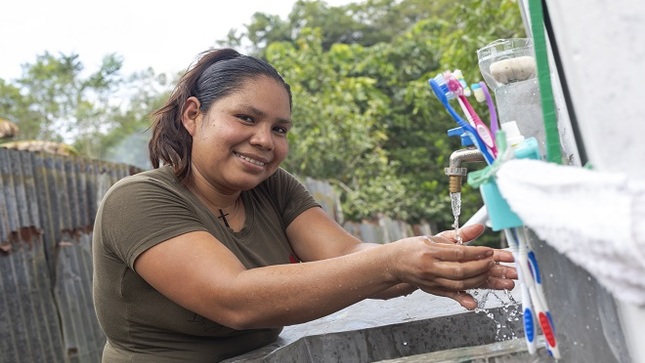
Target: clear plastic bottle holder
(499,52)
(499,212)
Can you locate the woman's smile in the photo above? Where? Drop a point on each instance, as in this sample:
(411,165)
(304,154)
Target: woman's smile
(252,160)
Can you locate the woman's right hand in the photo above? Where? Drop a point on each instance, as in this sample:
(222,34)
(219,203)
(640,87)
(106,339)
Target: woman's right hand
(435,264)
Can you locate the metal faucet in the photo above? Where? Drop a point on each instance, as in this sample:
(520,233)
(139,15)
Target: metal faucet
(455,172)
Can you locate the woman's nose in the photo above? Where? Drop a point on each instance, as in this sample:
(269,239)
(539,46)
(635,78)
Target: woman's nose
(263,137)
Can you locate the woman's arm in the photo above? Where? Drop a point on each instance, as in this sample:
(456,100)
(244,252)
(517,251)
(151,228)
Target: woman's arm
(329,239)
(199,273)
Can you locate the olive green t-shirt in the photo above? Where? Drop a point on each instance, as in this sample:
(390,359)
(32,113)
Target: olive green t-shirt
(140,211)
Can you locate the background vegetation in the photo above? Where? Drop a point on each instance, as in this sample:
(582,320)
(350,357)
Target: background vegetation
(365,118)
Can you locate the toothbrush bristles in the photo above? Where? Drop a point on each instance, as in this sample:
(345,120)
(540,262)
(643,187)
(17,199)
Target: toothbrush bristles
(479,94)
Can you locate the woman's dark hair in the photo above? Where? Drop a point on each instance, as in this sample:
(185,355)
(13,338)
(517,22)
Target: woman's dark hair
(217,74)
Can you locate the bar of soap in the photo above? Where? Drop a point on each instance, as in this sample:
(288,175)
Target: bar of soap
(513,69)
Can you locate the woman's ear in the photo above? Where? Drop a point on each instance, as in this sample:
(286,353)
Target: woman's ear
(191,114)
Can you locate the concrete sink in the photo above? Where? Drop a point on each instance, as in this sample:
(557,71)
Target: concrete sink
(416,328)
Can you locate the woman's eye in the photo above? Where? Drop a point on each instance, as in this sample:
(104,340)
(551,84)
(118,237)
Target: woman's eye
(246,118)
(281,130)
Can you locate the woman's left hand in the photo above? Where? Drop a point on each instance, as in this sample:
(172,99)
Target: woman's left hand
(500,276)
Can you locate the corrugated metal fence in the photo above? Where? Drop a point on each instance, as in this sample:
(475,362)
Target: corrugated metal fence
(47,208)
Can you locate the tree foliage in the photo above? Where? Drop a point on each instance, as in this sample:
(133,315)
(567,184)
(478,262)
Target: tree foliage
(65,103)
(56,100)
(127,141)
(366,23)
(340,126)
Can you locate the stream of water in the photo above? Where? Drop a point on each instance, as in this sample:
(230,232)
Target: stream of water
(455,203)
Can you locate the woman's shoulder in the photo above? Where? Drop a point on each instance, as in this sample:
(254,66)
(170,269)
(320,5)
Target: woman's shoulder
(162,175)
(283,185)
(160,178)
(281,176)
(280,182)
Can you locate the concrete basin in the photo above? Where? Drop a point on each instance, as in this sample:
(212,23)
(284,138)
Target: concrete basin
(405,329)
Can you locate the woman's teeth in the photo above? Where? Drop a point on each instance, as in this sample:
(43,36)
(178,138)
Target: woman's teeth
(252,161)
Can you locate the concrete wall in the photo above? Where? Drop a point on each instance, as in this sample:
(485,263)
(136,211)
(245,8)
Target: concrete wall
(601,47)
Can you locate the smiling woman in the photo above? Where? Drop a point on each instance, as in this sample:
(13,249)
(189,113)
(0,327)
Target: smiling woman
(217,248)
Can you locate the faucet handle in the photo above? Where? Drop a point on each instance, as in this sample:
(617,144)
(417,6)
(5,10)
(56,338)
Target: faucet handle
(459,131)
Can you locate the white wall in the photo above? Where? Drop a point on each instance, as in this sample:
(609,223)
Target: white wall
(602,49)
(602,46)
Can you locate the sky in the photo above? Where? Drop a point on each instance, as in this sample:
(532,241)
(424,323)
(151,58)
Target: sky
(164,35)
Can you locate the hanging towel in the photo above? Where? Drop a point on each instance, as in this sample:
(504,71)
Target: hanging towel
(596,219)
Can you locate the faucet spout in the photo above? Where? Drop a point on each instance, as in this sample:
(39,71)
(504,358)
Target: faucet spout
(455,172)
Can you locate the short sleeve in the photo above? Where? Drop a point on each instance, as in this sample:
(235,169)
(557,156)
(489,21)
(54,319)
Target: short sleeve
(140,212)
(291,196)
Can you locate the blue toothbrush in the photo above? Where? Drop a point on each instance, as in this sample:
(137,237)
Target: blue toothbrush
(534,280)
(528,313)
(440,89)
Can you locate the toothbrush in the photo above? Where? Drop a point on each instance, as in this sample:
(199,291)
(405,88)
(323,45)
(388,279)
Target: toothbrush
(494,124)
(528,313)
(538,299)
(458,87)
(440,89)
(455,84)
(458,90)
(481,93)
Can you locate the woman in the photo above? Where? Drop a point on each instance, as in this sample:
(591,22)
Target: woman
(194,260)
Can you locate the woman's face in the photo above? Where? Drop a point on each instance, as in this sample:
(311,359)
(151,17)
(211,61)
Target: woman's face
(242,139)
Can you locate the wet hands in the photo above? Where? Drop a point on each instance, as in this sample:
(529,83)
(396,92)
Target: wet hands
(436,265)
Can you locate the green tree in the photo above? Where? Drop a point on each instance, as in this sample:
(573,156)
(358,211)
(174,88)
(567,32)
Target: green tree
(56,100)
(15,107)
(339,124)
(366,23)
(127,141)
(53,102)
(473,25)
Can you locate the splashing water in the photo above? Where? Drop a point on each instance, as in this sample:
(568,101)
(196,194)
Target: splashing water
(481,296)
(455,203)
(512,314)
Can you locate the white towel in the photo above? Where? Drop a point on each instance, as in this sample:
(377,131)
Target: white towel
(596,219)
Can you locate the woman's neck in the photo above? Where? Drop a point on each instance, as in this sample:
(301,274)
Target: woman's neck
(213,198)
(228,208)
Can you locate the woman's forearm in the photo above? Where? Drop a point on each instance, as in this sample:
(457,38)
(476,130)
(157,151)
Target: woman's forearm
(294,293)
